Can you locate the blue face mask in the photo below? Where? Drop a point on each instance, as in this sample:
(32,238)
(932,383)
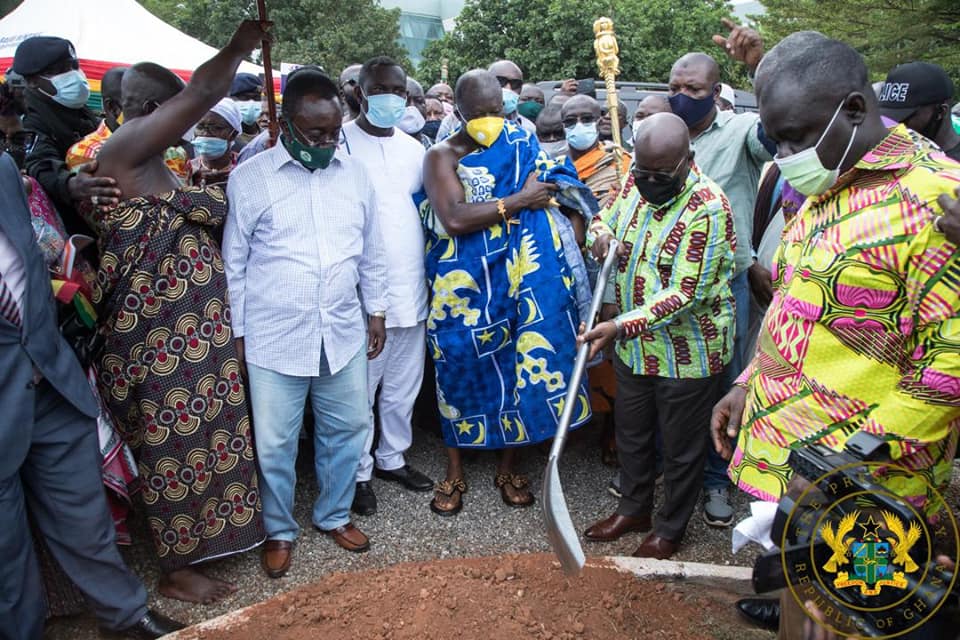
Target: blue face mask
(384,110)
(210,147)
(249,111)
(581,136)
(72,89)
(510,101)
(691,110)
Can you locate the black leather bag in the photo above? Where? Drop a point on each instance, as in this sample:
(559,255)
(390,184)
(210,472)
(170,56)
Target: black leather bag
(87,343)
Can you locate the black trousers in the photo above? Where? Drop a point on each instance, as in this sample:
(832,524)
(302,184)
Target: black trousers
(680,409)
(60,482)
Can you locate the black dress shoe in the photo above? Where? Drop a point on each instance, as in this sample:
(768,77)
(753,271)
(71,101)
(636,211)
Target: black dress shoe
(408,477)
(364,500)
(152,625)
(764,612)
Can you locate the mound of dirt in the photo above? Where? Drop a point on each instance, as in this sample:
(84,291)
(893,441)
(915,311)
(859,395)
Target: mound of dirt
(494,598)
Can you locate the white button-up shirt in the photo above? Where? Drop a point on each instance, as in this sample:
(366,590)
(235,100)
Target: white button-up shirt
(395,165)
(296,246)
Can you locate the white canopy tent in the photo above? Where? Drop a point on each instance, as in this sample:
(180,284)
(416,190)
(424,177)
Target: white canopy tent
(106,33)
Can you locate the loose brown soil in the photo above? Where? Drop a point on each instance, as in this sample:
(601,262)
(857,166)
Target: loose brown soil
(496,598)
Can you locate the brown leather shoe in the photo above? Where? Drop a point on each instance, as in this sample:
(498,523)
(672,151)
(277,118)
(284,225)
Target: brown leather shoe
(276,556)
(615,526)
(653,546)
(349,537)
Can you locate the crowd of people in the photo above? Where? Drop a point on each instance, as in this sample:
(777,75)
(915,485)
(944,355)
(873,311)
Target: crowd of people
(783,278)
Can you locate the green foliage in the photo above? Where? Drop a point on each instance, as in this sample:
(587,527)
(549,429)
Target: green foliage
(330,33)
(553,39)
(886,32)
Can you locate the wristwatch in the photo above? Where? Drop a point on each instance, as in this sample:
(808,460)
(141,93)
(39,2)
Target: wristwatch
(379,314)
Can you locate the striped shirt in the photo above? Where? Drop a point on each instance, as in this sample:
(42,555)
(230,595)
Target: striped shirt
(673,286)
(296,246)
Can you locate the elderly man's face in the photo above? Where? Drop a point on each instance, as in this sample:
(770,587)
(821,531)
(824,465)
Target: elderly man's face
(434,109)
(796,122)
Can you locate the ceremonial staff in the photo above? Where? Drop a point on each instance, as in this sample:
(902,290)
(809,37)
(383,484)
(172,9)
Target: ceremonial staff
(606,48)
(268,78)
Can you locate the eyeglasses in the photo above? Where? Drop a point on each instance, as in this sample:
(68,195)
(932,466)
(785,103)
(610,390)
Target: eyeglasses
(571,121)
(216,130)
(658,176)
(515,83)
(19,140)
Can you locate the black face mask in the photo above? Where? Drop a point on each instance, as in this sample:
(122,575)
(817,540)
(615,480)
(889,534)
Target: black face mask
(431,128)
(658,193)
(932,128)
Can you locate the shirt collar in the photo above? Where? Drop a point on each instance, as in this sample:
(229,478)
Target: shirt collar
(723,117)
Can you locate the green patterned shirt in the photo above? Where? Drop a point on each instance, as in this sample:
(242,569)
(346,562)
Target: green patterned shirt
(673,287)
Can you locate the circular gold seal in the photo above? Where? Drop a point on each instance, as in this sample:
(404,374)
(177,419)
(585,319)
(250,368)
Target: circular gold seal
(866,557)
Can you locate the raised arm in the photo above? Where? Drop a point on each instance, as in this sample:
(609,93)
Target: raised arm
(143,138)
(448,199)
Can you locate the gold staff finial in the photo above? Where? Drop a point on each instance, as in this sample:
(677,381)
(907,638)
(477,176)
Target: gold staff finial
(606,48)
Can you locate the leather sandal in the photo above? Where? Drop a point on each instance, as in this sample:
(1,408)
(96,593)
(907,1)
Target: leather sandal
(518,481)
(446,489)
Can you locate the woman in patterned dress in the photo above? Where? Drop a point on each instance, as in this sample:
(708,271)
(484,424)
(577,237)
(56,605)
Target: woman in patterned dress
(169,370)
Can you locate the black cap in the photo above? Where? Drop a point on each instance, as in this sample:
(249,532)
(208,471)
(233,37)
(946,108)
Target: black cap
(41,52)
(245,83)
(911,86)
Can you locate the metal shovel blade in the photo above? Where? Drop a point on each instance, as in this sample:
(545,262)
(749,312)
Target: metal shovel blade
(563,537)
(560,530)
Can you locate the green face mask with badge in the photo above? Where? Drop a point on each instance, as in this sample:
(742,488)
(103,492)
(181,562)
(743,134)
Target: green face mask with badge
(310,157)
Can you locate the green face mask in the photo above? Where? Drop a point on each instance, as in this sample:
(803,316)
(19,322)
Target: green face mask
(310,157)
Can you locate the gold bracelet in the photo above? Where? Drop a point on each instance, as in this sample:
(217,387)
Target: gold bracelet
(502,210)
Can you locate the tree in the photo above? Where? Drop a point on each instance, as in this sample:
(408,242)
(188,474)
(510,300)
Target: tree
(886,32)
(330,33)
(553,39)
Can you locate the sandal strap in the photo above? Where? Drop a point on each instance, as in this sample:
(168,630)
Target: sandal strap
(516,480)
(447,487)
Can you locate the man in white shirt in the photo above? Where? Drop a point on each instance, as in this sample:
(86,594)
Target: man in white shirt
(394,162)
(302,235)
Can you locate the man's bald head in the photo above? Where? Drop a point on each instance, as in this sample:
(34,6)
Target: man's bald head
(350,74)
(549,127)
(654,103)
(478,94)
(660,142)
(580,104)
(110,84)
(809,61)
(506,69)
(442,92)
(145,86)
(700,63)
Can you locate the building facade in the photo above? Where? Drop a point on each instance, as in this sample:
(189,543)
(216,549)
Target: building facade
(423,21)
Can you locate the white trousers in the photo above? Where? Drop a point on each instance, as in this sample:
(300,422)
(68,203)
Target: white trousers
(398,371)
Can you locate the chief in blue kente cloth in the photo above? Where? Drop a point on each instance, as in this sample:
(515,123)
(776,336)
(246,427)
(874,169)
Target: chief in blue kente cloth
(504,308)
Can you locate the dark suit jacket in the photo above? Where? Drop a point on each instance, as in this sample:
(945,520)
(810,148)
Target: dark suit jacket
(39,343)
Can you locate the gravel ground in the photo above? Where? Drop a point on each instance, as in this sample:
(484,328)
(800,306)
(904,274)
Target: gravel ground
(404,529)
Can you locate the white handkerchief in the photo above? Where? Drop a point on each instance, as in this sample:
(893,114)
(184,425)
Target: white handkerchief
(757,527)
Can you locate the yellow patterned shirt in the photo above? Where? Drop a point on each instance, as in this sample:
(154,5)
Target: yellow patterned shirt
(863,332)
(89,147)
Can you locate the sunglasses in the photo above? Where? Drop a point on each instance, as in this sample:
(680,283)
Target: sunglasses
(659,177)
(514,83)
(571,121)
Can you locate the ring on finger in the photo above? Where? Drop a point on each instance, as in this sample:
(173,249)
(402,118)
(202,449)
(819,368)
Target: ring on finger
(936,224)
(95,199)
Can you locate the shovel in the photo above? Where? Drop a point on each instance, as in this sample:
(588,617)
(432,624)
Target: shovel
(563,537)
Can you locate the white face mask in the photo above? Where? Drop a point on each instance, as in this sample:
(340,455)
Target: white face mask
(412,121)
(805,171)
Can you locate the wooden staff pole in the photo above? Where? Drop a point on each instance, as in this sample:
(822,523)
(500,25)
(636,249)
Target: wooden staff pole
(268,79)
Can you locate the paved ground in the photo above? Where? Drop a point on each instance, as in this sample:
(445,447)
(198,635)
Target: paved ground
(405,529)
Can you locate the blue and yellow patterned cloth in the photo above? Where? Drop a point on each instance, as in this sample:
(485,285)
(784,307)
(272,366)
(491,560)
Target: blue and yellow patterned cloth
(503,314)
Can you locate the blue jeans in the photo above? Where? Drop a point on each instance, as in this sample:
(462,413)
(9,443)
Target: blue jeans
(715,471)
(341,411)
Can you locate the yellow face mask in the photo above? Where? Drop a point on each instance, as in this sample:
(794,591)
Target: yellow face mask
(485,131)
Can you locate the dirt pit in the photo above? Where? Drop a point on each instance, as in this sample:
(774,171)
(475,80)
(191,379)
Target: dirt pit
(495,598)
